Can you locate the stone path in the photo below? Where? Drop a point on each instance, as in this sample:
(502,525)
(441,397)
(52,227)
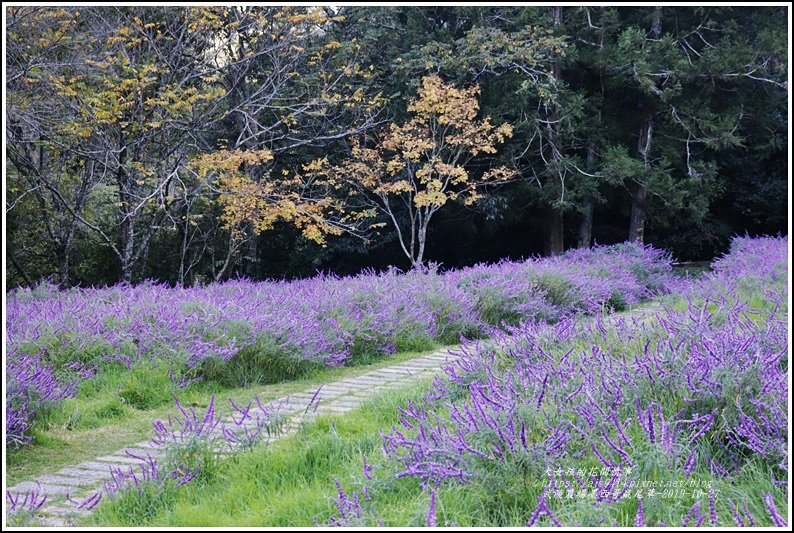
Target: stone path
(84,479)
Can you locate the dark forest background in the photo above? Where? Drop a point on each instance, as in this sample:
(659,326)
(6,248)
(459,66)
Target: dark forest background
(664,125)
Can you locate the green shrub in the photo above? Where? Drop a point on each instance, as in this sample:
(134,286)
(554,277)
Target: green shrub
(417,342)
(137,505)
(496,308)
(266,361)
(146,386)
(617,302)
(557,289)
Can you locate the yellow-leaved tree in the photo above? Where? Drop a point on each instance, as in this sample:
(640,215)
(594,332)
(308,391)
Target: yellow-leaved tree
(271,198)
(413,170)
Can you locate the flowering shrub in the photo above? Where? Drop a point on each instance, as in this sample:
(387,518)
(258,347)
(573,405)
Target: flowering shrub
(190,447)
(31,384)
(145,489)
(764,258)
(602,407)
(241,332)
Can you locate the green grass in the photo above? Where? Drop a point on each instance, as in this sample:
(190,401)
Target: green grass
(100,420)
(290,483)
(287,483)
(116,408)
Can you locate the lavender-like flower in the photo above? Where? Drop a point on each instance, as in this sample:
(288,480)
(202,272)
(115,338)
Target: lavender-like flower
(31,500)
(431,513)
(778,520)
(366,470)
(639,518)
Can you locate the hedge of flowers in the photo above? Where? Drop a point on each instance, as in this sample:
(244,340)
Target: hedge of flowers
(241,331)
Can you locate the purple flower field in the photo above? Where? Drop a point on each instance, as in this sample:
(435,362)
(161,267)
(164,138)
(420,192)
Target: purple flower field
(240,332)
(674,415)
(614,421)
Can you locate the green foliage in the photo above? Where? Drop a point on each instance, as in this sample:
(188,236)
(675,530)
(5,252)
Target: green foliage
(268,360)
(287,482)
(496,307)
(133,507)
(112,394)
(557,289)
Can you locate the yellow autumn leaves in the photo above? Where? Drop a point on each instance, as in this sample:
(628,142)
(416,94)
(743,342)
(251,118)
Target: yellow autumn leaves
(263,202)
(425,158)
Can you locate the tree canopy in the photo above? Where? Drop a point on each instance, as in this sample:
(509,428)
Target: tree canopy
(190,144)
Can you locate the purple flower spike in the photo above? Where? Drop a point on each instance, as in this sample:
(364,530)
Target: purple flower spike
(639,518)
(431,513)
(778,520)
(366,470)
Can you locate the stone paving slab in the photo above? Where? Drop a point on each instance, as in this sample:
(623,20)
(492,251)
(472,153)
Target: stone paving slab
(146,444)
(395,371)
(62,480)
(119,459)
(57,510)
(420,363)
(355,403)
(43,488)
(94,465)
(52,522)
(357,386)
(88,475)
(373,380)
(143,452)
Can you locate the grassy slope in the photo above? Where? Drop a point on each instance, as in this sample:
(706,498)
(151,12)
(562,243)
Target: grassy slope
(96,422)
(105,430)
(116,407)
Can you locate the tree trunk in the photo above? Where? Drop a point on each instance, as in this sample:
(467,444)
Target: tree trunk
(63,266)
(127,229)
(421,239)
(65,254)
(251,254)
(555,244)
(126,259)
(637,223)
(586,225)
(19,267)
(247,131)
(183,249)
(144,258)
(554,232)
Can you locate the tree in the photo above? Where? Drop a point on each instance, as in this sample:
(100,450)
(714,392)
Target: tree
(526,49)
(290,86)
(125,101)
(419,166)
(170,142)
(46,171)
